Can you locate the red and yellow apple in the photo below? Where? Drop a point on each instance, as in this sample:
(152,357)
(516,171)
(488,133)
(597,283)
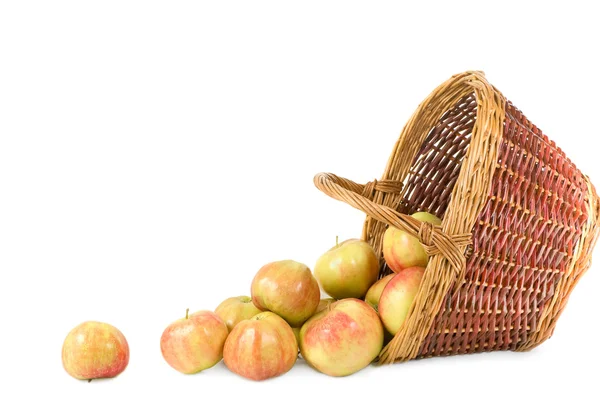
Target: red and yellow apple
(342,339)
(348,269)
(194,343)
(260,348)
(323,304)
(288,289)
(94,350)
(235,309)
(397,297)
(401,250)
(374,293)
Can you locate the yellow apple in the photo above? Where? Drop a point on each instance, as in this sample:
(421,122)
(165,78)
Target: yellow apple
(324,303)
(235,309)
(296,331)
(288,289)
(374,293)
(427,217)
(348,269)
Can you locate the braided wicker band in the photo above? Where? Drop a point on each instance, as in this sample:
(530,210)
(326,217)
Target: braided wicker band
(456,137)
(432,237)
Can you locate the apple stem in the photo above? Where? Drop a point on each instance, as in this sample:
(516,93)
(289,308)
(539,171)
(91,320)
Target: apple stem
(337,240)
(187,313)
(89,380)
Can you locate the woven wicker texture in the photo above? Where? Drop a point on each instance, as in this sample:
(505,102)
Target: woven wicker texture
(519,222)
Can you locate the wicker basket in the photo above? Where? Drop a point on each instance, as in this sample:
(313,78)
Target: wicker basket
(519,222)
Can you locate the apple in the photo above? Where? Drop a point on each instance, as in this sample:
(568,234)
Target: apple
(194,343)
(401,250)
(94,350)
(296,331)
(324,303)
(260,348)
(288,289)
(342,339)
(348,269)
(397,297)
(427,217)
(235,309)
(374,293)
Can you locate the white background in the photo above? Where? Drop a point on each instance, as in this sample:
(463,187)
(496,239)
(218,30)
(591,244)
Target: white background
(153,155)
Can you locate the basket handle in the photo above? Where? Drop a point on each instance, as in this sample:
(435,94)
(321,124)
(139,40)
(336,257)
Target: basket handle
(434,240)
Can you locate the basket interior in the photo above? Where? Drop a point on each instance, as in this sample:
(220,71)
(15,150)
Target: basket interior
(524,237)
(436,166)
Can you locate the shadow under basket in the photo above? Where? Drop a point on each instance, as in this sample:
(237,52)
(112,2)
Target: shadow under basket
(519,222)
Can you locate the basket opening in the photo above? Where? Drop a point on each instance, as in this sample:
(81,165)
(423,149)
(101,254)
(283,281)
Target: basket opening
(436,166)
(532,231)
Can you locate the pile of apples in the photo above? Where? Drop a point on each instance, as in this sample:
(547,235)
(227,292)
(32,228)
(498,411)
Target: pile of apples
(261,336)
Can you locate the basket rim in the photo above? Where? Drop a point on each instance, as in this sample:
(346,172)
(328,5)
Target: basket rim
(468,198)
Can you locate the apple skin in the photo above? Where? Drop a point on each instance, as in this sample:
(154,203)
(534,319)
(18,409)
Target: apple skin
(261,348)
(235,309)
(288,289)
(194,343)
(95,350)
(374,293)
(427,217)
(343,339)
(324,303)
(397,297)
(296,331)
(348,269)
(401,250)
